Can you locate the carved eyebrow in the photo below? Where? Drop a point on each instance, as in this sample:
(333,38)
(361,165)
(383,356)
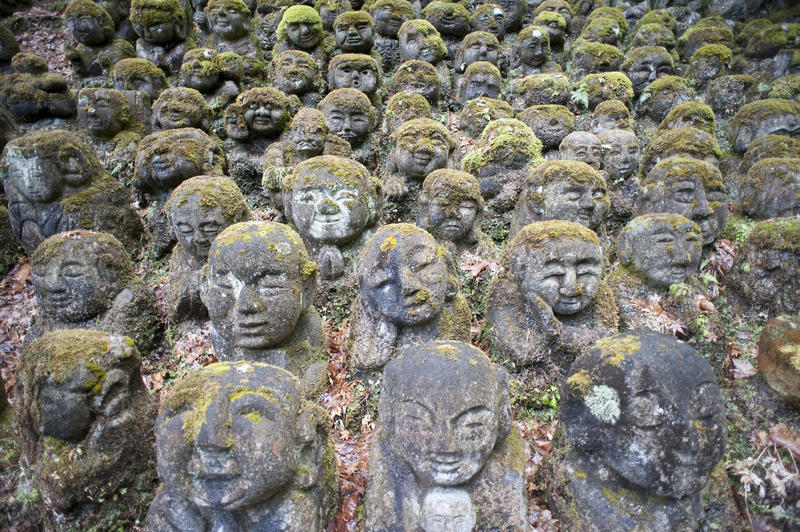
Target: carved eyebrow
(417,404)
(476,410)
(256,400)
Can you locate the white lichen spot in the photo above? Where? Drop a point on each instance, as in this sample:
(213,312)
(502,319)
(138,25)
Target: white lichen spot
(603,403)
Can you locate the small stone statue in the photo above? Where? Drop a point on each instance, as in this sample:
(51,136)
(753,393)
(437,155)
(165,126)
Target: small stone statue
(258,287)
(688,187)
(356,71)
(531,53)
(240,449)
(504,154)
(229,20)
(476,114)
(350,115)
(646,64)
(216,76)
(610,114)
(478,46)
(620,162)
(445,446)
(388,16)
(179,107)
(765,272)
(451,20)
(419,77)
(761,118)
(198,210)
(481,78)
(419,147)
(490,18)
(582,146)
(688,142)
(334,203)
(295,72)
(419,40)
(54,182)
(162,29)
(550,124)
(85,417)
(646,391)
(401,108)
(771,189)
(354,32)
(329,10)
(139,75)
(563,190)
(549,304)
(450,208)
(300,28)
(32,93)
(538,89)
(97,49)
(409,293)
(83,280)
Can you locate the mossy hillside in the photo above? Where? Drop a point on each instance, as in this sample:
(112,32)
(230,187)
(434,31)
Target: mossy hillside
(151,12)
(501,142)
(212,192)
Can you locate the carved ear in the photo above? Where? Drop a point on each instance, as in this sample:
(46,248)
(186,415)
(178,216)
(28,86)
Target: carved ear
(743,137)
(311,445)
(375,204)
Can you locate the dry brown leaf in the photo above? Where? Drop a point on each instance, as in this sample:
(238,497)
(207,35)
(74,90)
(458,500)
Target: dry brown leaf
(785,437)
(742,369)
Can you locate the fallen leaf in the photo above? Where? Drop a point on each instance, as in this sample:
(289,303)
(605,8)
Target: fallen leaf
(742,369)
(783,436)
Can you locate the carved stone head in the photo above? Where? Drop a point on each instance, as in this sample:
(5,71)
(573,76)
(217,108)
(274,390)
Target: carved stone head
(550,123)
(89,23)
(477,46)
(308,133)
(420,146)
(77,274)
(532,46)
(301,28)
(167,158)
(420,40)
(558,263)
(647,391)
(555,24)
(402,107)
(202,207)
(620,153)
(559,7)
(646,64)
(139,75)
(259,282)
(266,111)
(331,200)
(480,79)
(179,107)
(349,114)
(159,22)
(417,76)
(444,399)
(771,189)
(202,70)
(688,142)
(582,146)
(764,117)
(354,32)
(447,509)
(505,143)
(489,18)
(478,112)
(103,112)
(610,114)
(663,247)
(450,206)
(450,19)
(389,15)
(296,72)
(228,19)
(354,71)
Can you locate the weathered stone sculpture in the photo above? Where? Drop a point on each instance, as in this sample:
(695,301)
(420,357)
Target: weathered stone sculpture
(31,93)
(419,147)
(563,190)
(85,417)
(354,32)
(450,207)
(450,20)
(765,273)
(690,188)
(107,116)
(198,210)
(490,18)
(476,114)
(350,115)
(646,64)
(179,107)
(356,71)
(549,304)
(582,146)
(419,40)
(446,455)
(610,114)
(550,123)
(55,183)
(419,77)
(334,203)
(300,28)
(771,189)
(538,89)
(239,448)
(409,293)
(688,142)
(620,162)
(764,117)
(296,73)
(139,75)
(83,280)
(401,108)
(505,153)
(647,392)
(97,49)
(531,53)
(481,79)
(229,20)
(478,46)
(162,29)
(778,344)
(258,289)
(388,16)
(215,76)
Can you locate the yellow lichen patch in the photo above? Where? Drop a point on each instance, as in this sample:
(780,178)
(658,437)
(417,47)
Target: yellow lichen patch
(580,474)
(389,244)
(615,349)
(447,349)
(792,354)
(579,383)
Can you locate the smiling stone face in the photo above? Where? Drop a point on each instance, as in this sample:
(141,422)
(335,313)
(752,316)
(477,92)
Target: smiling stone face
(228,19)
(349,115)
(178,107)
(447,510)
(266,111)
(354,32)
(646,64)
(296,72)
(449,19)
(666,248)
(421,146)
(301,28)
(443,418)
(420,40)
(450,205)
(652,393)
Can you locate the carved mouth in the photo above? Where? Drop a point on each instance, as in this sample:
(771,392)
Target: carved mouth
(59,300)
(251,328)
(353,40)
(422,159)
(569,303)
(328,219)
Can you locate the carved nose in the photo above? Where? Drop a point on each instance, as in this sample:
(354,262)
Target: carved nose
(214,431)
(409,281)
(587,202)
(327,206)
(305,31)
(568,284)
(247,303)
(701,209)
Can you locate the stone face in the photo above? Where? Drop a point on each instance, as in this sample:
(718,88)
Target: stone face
(354,71)
(779,356)
(764,117)
(179,107)
(258,289)
(106,114)
(238,446)
(582,146)
(54,182)
(84,416)
(354,32)
(31,93)
(445,398)
(97,50)
(333,202)
(296,72)
(477,46)
(198,210)
(83,280)
(620,153)
(646,64)
(419,147)
(647,392)
(162,29)
(481,79)
(549,303)
(771,189)
(409,293)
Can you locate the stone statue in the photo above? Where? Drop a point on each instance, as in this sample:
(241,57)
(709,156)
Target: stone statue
(350,115)
(476,114)
(401,108)
(54,182)
(240,449)
(620,162)
(198,210)
(610,114)
(162,29)
(32,93)
(419,40)
(451,20)
(216,76)
(646,391)
(478,46)
(84,416)
(300,28)
(180,107)
(354,32)
(419,77)
(388,16)
(408,293)
(446,455)
(109,119)
(97,49)
(418,147)
(531,53)
(549,304)
(550,124)
(83,280)
(763,117)
(582,146)
(687,142)
(771,189)
(258,287)
(356,71)
(229,21)
(334,203)
(539,89)
(139,75)
(295,72)
(450,208)
(481,78)
(490,18)
(688,187)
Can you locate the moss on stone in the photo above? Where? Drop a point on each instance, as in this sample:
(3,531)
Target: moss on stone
(658,16)
(598,54)
(602,30)
(722,52)
(579,383)
(300,14)
(667,85)
(212,192)
(546,17)
(126,68)
(614,13)
(408,104)
(786,87)
(697,114)
(151,12)
(424,128)
(677,169)
(759,112)
(539,234)
(769,40)
(79,8)
(606,86)
(236,5)
(348,98)
(777,233)
(549,112)
(500,138)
